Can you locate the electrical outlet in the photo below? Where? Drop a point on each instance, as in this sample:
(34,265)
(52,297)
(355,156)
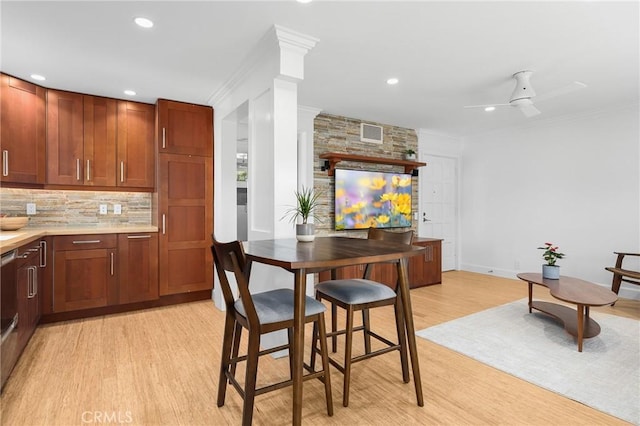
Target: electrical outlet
(31,208)
(103,209)
(516,264)
(117,209)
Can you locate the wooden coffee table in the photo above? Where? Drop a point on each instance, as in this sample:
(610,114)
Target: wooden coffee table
(572,290)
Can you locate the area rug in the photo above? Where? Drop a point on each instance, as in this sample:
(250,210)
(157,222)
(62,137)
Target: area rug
(604,376)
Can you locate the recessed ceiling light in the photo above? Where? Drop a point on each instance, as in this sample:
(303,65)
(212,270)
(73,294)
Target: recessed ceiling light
(129,92)
(143,22)
(489,109)
(304,1)
(392,81)
(38,77)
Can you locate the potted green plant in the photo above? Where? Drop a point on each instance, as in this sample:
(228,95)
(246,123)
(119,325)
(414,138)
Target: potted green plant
(307,201)
(551,255)
(409,154)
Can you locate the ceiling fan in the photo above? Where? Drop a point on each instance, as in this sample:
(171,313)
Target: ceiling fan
(523,94)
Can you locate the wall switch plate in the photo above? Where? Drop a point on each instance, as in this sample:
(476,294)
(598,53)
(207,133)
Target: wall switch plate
(31,208)
(103,209)
(117,209)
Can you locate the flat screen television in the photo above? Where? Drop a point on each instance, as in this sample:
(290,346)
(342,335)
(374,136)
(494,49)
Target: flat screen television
(369,199)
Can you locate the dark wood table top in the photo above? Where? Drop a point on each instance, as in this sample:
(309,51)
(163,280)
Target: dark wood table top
(326,252)
(573,290)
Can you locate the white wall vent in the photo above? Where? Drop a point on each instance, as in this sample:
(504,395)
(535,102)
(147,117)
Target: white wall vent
(370,133)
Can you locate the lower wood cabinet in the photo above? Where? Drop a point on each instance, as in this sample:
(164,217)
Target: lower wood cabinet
(28,279)
(422,270)
(84,272)
(185,210)
(138,267)
(93,271)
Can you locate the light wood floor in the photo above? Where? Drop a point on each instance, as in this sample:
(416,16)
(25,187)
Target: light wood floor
(159,367)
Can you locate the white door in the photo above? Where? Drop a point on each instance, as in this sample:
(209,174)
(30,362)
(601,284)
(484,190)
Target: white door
(438,205)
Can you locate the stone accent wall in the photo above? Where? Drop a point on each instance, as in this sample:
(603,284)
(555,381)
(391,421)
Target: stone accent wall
(334,133)
(77,208)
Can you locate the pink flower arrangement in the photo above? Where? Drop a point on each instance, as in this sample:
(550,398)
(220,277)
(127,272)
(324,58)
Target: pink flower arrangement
(551,253)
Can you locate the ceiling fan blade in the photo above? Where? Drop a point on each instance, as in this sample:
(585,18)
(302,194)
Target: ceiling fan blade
(529,111)
(484,106)
(576,85)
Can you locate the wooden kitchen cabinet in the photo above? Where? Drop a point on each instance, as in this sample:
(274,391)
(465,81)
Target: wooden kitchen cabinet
(99,141)
(136,157)
(81,139)
(29,281)
(425,269)
(65,139)
(138,267)
(184,128)
(22,131)
(185,209)
(84,272)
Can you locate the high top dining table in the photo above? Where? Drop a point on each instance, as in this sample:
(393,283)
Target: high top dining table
(326,253)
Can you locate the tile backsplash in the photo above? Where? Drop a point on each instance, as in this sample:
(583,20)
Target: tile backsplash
(77,208)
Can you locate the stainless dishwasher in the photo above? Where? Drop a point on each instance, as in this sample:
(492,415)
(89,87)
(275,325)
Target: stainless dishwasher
(9,347)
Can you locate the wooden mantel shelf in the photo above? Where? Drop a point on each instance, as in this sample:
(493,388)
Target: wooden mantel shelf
(336,157)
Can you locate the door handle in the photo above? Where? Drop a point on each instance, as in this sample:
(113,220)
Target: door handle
(5,163)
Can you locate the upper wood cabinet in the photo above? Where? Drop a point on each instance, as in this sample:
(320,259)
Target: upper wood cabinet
(81,139)
(22,131)
(99,141)
(136,155)
(185,128)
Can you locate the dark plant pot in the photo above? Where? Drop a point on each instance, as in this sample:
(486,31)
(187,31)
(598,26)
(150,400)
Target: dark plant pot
(305,232)
(551,272)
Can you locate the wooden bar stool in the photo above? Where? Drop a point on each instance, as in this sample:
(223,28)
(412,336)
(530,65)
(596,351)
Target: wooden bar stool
(361,295)
(259,313)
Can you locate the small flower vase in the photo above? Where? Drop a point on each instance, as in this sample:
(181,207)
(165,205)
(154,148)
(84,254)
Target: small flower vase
(551,272)
(410,157)
(305,232)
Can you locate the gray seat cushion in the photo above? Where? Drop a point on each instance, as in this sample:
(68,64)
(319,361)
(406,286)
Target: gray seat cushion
(355,291)
(277,305)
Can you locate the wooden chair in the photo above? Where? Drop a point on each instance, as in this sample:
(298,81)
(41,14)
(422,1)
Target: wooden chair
(620,274)
(259,313)
(361,295)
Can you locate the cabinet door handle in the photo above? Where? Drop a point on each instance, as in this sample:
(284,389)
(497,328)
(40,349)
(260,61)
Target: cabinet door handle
(87,242)
(77,169)
(5,163)
(32,276)
(164,138)
(88,170)
(163,224)
(43,254)
(428,254)
(122,171)
(137,237)
(112,255)
(29,282)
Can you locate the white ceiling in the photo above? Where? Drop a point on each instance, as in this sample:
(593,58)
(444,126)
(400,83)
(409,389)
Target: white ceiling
(446,54)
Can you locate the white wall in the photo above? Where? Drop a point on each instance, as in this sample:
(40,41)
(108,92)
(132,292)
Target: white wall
(573,182)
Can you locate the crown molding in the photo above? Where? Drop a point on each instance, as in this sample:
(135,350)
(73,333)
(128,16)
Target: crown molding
(289,45)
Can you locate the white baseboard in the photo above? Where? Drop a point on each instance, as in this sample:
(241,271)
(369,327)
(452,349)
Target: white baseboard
(627,291)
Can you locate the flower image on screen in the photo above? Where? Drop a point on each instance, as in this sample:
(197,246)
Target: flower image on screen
(367,199)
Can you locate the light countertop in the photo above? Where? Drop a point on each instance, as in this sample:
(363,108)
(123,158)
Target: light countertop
(10,240)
